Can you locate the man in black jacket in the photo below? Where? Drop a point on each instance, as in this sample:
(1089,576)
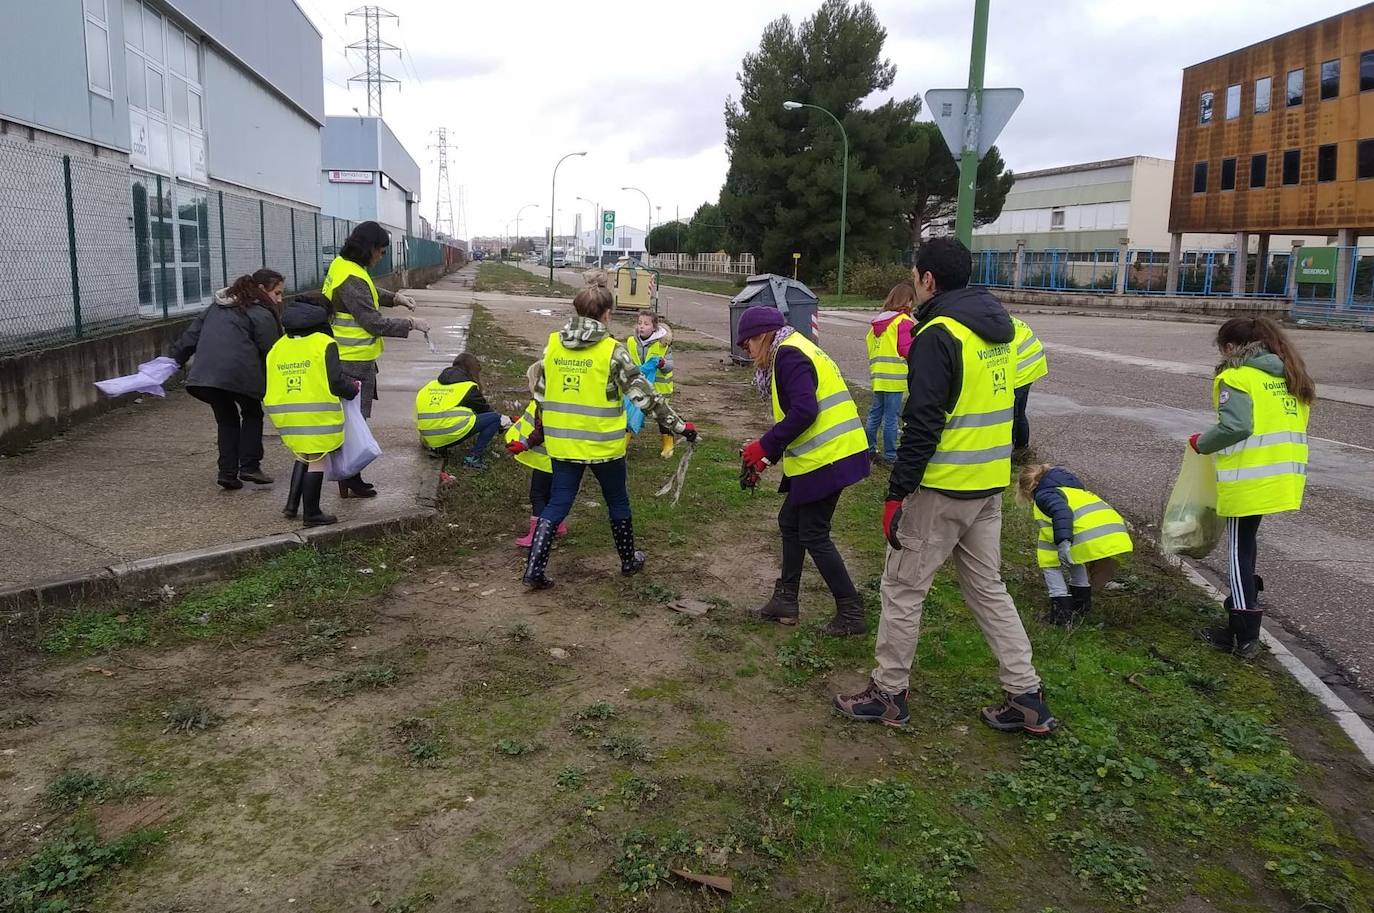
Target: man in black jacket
(956,510)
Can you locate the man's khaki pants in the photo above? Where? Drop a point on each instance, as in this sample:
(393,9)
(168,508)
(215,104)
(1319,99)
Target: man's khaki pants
(934,527)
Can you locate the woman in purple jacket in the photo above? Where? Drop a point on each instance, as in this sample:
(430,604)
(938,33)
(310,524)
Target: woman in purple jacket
(804,519)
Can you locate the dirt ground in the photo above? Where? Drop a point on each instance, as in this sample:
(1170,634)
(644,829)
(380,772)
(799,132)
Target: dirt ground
(460,744)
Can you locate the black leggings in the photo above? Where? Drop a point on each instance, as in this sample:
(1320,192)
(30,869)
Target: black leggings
(238,419)
(541,486)
(1241,542)
(806,529)
(1020,424)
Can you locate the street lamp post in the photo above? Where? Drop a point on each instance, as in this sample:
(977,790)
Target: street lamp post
(596,226)
(650,229)
(553,207)
(844,184)
(517,221)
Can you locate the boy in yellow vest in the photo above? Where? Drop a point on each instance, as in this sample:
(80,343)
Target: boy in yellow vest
(653,339)
(452,409)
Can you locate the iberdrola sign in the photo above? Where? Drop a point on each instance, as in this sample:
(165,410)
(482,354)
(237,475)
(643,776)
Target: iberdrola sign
(1317,265)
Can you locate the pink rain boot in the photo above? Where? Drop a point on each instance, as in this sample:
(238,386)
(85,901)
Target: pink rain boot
(562,529)
(527,540)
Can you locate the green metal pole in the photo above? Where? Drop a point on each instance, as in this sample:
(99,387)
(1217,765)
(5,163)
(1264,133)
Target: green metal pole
(319,254)
(968,155)
(223,247)
(295,267)
(162,248)
(844,206)
(71,246)
(262,231)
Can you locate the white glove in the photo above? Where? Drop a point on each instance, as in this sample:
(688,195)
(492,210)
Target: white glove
(505,422)
(1064,553)
(419,323)
(404,300)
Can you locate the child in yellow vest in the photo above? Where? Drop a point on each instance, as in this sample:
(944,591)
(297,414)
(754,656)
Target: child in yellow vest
(1076,529)
(525,442)
(653,338)
(452,409)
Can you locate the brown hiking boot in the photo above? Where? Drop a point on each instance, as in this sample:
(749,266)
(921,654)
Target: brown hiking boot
(874,705)
(1026,713)
(782,608)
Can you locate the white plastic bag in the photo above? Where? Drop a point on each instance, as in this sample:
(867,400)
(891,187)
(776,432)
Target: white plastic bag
(149,379)
(1191,526)
(359,448)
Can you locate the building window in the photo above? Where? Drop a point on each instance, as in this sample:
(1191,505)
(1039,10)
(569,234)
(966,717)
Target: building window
(1228,174)
(1292,165)
(1200,177)
(1259,167)
(1204,108)
(1364,159)
(1294,88)
(165,95)
(1264,89)
(1326,163)
(1056,220)
(1331,79)
(98,76)
(1232,102)
(1366,70)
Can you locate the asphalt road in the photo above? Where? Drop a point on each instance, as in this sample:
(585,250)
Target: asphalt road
(1120,400)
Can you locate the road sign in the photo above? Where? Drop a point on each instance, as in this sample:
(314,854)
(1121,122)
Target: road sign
(949,107)
(608,228)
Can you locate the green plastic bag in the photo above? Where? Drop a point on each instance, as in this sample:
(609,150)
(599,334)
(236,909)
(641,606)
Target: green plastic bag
(1191,526)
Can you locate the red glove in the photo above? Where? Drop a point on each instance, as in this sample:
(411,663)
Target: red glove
(892,516)
(1192,442)
(689,431)
(516,447)
(753,455)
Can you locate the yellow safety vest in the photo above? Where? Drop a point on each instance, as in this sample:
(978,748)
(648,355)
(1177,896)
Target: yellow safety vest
(520,430)
(836,432)
(1030,355)
(583,423)
(1266,472)
(1098,531)
(355,343)
(974,452)
(663,380)
(299,401)
(886,368)
(439,417)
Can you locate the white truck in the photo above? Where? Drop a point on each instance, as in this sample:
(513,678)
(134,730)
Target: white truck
(559,257)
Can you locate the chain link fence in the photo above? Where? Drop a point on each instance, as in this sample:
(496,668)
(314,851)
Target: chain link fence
(90,246)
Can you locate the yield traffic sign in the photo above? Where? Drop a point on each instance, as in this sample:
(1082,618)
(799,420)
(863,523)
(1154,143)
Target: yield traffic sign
(949,107)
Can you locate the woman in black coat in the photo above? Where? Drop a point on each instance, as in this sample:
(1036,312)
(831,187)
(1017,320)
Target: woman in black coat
(227,347)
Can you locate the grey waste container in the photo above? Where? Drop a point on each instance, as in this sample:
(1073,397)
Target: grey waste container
(797,303)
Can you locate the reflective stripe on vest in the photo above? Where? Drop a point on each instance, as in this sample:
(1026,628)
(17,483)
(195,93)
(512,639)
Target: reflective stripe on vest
(439,417)
(1267,472)
(355,343)
(520,430)
(298,400)
(836,431)
(1098,531)
(581,422)
(886,368)
(974,451)
(1029,353)
(663,380)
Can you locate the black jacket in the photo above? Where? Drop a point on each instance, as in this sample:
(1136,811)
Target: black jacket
(935,378)
(473,399)
(1052,502)
(303,316)
(227,347)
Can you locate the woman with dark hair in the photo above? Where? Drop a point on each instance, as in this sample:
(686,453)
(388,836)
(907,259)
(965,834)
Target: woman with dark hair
(358,323)
(229,342)
(1263,395)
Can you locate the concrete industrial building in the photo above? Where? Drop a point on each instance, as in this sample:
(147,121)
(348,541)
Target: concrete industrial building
(1278,138)
(175,120)
(368,174)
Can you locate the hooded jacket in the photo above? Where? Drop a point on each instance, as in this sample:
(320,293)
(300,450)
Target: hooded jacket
(626,380)
(904,332)
(935,379)
(227,346)
(1235,411)
(473,399)
(1052,502)
(305,315)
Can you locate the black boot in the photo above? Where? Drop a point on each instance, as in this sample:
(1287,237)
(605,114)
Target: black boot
(229,481)
(1061,611)
(783,607)
(1082,601)
(849,618)
(540,546)
(310,498)
(355,487)
(631,560)
(293,496)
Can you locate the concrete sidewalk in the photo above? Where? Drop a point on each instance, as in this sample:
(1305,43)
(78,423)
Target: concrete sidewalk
(132,494)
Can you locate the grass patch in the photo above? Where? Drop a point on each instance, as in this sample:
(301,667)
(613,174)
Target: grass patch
(190,717)
(515,280)
(729,287)
(73,787)
(856,302)
(62,873)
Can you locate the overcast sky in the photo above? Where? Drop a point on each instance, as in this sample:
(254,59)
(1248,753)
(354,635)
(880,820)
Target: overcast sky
(519,84)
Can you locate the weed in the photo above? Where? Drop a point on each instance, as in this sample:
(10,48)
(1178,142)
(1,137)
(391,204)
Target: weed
(18,721)
(601,710)
(371,677)
(72,787)
(190,717)
(650,593)
(801,656)
(421,740)
(515,748)
(320,637)
(571,778)
(638,791)
(520,632)
(412,903)
(58,877)
(1124,871)
(645,862)
(627,748)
